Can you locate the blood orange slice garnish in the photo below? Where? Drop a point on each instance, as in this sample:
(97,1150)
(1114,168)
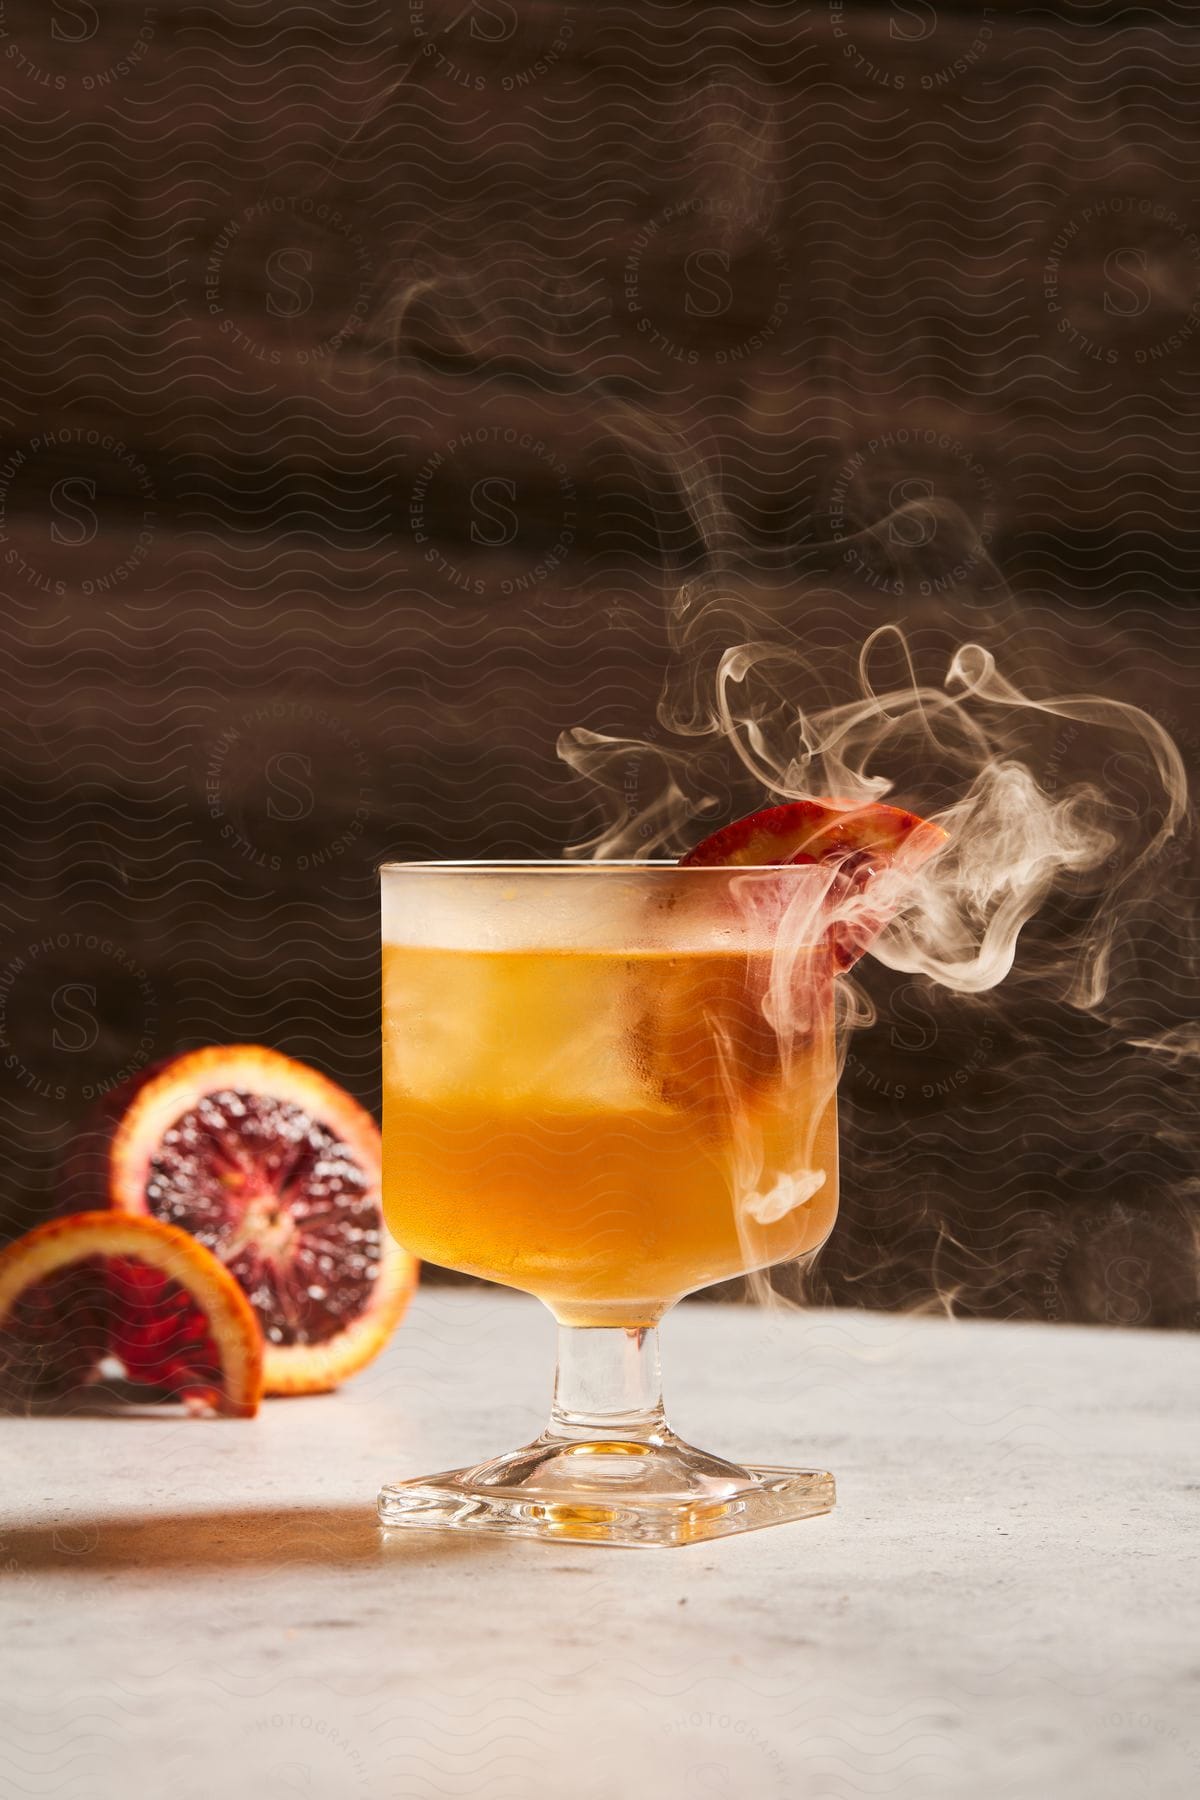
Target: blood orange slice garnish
(860,842)
(94,1296)
(276,1170)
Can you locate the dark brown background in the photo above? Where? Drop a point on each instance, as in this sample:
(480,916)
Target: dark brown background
(266,268)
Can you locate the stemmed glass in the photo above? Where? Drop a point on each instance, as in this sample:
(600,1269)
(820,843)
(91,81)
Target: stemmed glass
(610,1085)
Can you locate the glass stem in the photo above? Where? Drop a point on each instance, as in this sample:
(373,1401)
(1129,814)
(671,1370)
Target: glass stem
(608,1384)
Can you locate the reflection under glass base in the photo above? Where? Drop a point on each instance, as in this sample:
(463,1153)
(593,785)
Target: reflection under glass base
(642,1491)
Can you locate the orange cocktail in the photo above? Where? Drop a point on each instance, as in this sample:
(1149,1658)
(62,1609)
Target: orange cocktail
(608,1127)
(611,1084)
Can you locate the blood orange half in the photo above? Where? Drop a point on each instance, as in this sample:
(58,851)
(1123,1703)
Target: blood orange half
(95,1296)
(860,842)
(276,1170)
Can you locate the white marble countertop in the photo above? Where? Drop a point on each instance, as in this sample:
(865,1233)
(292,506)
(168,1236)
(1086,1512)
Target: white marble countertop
(1004,1604)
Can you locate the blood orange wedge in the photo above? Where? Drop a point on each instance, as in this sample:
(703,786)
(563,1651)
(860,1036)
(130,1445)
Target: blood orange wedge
(276,1170)
(95,1296)
(861,843)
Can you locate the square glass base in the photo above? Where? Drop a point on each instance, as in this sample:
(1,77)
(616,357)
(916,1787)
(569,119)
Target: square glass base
(608,1491)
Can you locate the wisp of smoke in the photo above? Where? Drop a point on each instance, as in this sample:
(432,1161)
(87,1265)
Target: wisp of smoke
(1011,841)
